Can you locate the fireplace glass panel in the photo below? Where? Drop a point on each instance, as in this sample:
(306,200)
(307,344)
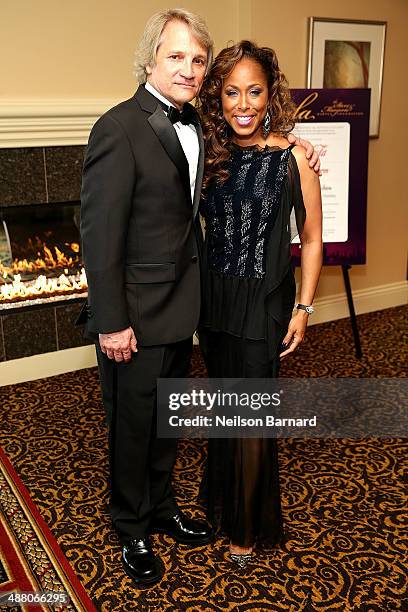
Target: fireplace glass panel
(40,253)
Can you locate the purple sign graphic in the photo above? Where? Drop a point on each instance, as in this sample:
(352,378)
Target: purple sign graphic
(351,106)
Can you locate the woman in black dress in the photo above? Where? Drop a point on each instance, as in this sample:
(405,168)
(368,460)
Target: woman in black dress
(257,191)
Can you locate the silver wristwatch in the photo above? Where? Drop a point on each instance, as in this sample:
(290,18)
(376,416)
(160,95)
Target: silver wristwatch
(309,309)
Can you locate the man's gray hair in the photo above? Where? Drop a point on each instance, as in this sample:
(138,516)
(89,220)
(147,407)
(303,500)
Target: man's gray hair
(152,38)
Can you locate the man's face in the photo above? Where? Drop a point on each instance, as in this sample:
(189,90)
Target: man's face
(180,64)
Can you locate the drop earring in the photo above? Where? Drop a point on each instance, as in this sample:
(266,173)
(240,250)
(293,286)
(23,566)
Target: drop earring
(266,126)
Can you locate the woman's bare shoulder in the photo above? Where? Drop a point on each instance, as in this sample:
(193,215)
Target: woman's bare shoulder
(300,154)
(301,159)
(307,175)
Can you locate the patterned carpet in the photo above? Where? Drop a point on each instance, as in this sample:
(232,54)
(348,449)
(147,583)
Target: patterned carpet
(344,501)
(30,559)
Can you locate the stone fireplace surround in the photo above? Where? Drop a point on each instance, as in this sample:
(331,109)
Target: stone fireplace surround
(40,175)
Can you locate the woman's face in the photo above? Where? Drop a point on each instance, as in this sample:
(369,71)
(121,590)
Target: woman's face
(244,98)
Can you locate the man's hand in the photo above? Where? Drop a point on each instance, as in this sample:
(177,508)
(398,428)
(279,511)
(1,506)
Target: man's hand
(119,345)
(311,154)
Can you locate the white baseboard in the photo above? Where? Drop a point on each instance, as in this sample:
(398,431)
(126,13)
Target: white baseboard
(333,307)
(329,308)
(47,364)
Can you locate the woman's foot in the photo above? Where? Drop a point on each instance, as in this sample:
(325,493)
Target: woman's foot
(240,555)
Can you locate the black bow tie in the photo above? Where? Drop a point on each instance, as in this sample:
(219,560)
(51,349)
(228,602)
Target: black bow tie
(186,116)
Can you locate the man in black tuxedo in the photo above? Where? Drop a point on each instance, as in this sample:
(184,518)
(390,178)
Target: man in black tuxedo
(141,234)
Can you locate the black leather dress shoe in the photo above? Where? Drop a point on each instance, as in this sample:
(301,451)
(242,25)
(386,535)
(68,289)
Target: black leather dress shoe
(140,563)
(183,529)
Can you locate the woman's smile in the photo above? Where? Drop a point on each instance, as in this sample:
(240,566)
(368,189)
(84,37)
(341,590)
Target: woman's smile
(244,120)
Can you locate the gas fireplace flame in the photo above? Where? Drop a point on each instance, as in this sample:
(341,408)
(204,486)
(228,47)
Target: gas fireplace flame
(47,260)
(13,287)
(43,286)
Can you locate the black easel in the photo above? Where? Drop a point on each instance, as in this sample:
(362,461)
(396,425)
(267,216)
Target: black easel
(345,268)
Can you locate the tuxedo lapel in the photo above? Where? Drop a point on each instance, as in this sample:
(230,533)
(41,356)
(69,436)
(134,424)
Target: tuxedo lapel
(168,137)
(200,170)
(165,132)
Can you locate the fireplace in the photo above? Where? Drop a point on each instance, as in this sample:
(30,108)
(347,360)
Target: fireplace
(42,280)
(40,255)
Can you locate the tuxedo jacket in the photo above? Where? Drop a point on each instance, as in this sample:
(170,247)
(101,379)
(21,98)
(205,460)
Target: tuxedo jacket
(139,226)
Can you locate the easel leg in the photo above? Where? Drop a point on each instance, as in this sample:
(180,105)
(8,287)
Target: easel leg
(345,268)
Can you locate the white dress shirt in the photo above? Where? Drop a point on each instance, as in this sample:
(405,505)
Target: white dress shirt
(187,136)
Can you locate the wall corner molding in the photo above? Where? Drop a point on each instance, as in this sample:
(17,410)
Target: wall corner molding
(49,122)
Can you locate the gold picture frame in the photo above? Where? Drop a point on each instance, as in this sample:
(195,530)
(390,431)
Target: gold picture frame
(348,53)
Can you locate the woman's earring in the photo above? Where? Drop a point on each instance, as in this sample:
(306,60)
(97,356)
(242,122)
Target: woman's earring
(266,126)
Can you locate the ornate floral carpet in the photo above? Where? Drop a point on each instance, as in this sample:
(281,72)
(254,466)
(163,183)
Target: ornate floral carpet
(344,500)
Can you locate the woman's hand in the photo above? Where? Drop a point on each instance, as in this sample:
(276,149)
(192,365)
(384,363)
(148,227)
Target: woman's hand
(296,332)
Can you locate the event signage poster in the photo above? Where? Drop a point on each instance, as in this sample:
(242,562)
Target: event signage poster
(336,121)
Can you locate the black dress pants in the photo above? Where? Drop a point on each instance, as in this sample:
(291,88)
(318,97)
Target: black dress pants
(140,463)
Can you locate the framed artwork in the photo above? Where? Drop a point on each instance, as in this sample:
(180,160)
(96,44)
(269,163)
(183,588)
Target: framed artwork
(345,54)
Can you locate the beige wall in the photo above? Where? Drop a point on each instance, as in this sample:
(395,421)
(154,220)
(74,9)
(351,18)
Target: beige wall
(85,49)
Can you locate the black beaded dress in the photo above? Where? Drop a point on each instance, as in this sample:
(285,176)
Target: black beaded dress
(248,297)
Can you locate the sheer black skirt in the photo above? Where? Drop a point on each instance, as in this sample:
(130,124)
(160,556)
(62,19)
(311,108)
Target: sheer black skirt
(240,487)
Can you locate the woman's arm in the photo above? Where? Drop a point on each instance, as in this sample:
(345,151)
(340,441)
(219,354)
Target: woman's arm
(311,251)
